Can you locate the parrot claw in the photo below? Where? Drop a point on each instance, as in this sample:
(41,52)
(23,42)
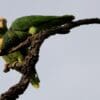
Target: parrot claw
(6,69)
(14,64)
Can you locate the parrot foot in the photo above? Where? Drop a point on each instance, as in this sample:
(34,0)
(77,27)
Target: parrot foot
(6,69)
(14,64)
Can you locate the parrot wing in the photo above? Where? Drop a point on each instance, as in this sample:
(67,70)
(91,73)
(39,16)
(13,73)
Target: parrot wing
(24,23)
(12,38)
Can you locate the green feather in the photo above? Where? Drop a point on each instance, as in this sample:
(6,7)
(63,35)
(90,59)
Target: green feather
(34,79)
(12,38)
(41,22)
(32,30)
(20,29)
(13,57)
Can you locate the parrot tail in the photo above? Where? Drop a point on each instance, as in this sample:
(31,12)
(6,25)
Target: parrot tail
(66,18)
(53,21)
(34,80)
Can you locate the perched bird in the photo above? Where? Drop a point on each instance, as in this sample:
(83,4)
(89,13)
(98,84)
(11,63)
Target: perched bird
(20,29)
(28,25)
(18,56)
(33,24)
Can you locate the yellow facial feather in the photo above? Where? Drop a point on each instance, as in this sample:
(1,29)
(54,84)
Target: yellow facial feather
(1,42)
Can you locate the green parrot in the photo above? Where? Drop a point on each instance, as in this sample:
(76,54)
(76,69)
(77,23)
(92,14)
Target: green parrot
(20,29)
(27,25)
(18,56)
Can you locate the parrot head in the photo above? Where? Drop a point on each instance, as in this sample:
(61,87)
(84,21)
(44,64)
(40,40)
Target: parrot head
(3,26)
(3,30)
(2,22)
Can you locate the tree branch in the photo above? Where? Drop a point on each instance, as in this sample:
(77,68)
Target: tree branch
(33,55)
(60,30)
(19,88)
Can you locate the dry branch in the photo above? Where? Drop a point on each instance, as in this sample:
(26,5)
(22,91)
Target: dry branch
(33,55)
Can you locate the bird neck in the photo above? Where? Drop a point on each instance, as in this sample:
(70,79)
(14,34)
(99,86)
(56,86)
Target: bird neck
(3,31)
